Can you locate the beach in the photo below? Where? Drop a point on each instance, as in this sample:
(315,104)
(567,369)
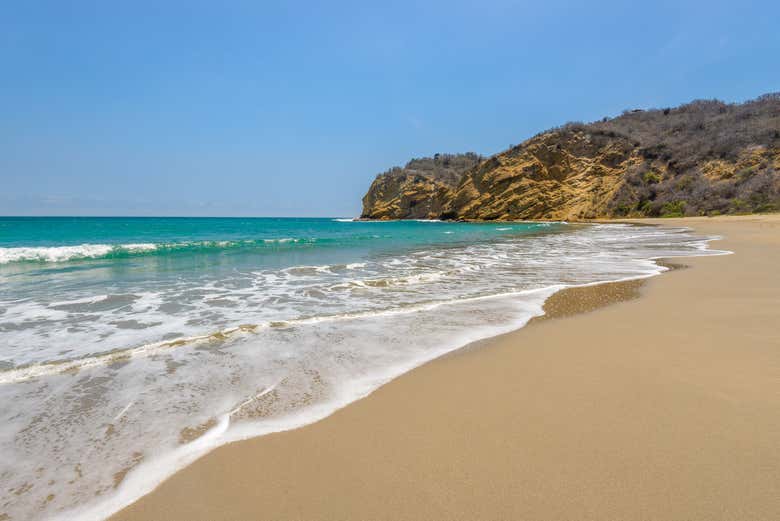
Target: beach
(263,261)
(179,335)
(662,404)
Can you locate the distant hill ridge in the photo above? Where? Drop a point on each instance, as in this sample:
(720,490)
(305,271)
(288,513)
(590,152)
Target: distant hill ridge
(702,158)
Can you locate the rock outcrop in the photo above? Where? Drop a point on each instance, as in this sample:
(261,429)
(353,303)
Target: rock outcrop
(703,158)
(419,190)
(564,174)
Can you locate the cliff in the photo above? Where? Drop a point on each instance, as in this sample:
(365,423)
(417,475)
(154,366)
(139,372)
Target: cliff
(702,158)
(419,190)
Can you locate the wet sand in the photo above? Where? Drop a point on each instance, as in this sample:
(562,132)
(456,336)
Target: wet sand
(635,401)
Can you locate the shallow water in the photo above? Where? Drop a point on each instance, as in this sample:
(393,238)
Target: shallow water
(130,346)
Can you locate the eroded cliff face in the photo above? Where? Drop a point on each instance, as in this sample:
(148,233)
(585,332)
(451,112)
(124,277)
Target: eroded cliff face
(703,158)
(419,190)
(558,175)
(405,196)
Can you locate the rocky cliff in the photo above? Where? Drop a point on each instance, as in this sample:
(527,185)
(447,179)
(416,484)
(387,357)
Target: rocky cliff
(419,190)
(702,158)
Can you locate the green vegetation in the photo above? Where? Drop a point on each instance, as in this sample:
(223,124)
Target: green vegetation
(676,145)
(673,209)
(652,177)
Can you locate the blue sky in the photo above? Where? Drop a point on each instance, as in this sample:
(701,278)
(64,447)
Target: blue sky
(291,108)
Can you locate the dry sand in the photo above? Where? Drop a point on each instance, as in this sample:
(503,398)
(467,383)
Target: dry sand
(662,407)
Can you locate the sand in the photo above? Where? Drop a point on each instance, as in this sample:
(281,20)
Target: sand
(665,406)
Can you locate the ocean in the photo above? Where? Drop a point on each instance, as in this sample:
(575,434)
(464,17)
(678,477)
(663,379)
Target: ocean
(131,346)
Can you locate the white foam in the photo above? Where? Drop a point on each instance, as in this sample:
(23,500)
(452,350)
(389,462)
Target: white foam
(54,254)
(143,247)
(46,369)
(122,412)
(282,240)
(86,300)
(66,253)
(307,270)
(144,478)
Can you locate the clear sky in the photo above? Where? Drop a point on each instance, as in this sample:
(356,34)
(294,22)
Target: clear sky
(291,108)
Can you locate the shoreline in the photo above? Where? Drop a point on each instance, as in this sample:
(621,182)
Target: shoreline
(588,297)
(160,502)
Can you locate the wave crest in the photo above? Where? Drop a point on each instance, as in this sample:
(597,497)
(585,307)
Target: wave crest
(106,251)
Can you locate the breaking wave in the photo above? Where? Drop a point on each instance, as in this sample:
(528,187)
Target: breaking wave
(43,254)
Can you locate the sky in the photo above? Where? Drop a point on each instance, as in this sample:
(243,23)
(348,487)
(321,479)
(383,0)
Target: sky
(291,108)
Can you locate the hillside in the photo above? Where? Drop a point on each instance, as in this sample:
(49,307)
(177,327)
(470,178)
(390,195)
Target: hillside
(702,158)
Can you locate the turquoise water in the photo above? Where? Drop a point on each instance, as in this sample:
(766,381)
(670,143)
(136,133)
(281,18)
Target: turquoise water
(161,248)
(116,334)
(107,283)
(273,240)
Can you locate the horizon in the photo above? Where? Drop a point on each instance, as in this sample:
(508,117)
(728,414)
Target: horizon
(250,216)
(64,216)
(252,111)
